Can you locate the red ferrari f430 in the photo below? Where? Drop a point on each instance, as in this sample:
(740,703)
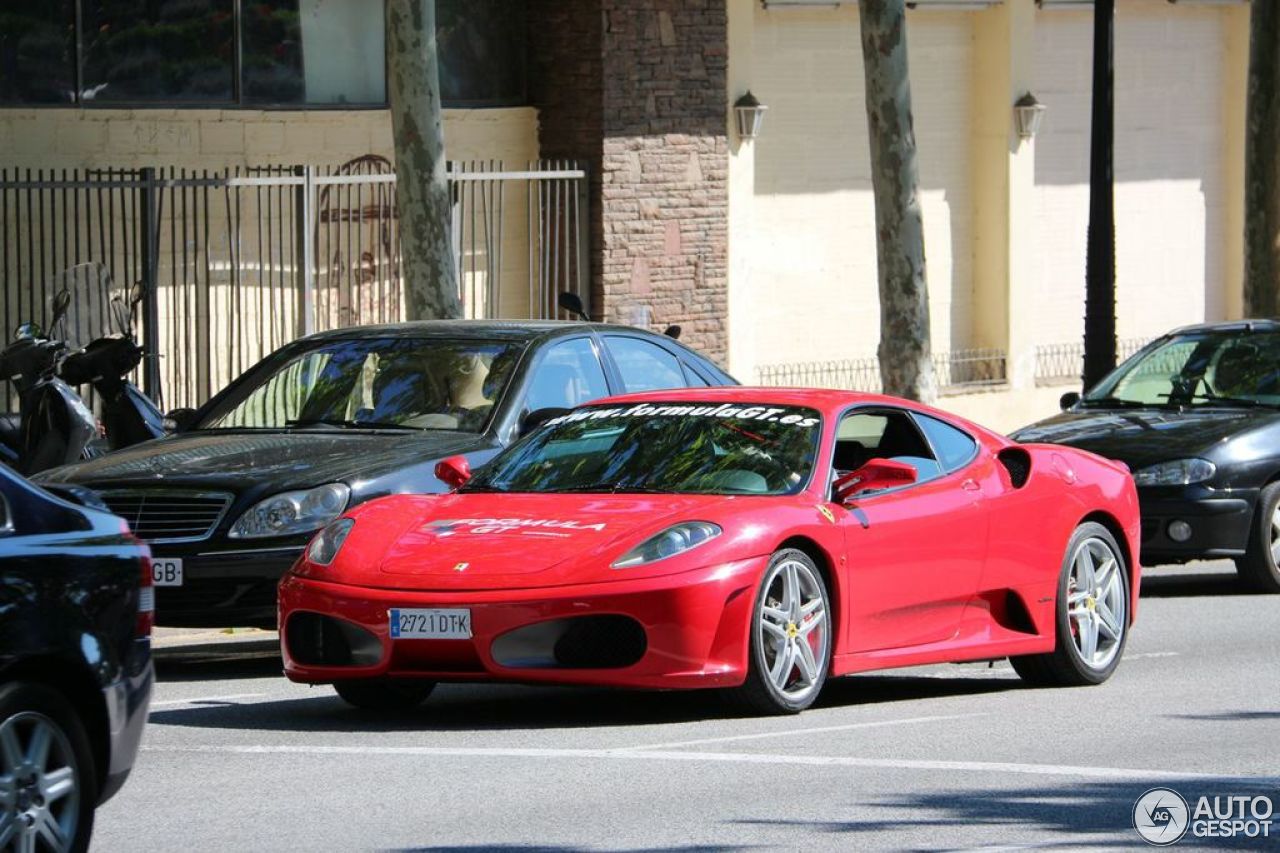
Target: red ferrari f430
(750,539)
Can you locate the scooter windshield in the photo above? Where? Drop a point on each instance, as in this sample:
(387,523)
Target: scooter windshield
(85,304)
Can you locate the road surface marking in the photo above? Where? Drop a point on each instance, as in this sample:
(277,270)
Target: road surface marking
(198,699)
(818,730)
(1152,655)
(724,757)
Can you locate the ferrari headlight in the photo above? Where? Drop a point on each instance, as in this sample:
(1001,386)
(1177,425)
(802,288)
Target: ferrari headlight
(292,512)
(674,540)
(1178,472)
(324,548)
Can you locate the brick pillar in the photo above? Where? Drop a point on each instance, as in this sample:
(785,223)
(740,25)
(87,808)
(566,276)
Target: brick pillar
(638,88)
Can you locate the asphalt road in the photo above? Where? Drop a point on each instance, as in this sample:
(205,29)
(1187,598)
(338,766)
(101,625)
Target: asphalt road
(937,758)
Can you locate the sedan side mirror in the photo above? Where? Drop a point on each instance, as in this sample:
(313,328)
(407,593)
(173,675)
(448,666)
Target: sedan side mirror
(454,472)
(876,474)
(1068,400)
(538,417)
(179,420)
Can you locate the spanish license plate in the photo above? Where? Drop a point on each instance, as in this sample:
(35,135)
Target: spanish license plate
(430,623)
(166,571)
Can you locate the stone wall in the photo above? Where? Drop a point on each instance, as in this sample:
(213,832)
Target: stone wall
(656,71)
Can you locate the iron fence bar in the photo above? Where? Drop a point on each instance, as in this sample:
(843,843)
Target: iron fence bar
(149,233)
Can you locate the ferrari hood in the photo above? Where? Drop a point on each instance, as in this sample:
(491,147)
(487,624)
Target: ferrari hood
(474,541)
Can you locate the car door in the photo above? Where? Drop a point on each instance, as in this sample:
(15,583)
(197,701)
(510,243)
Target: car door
(566,373)
(915,553)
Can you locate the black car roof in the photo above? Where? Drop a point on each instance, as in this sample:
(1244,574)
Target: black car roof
(517,330)
(1263,325)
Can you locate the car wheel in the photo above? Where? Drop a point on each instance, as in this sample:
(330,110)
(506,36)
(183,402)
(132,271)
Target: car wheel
(1259,568)
(384,694)
(790,640)
(1092,614)
(48,786)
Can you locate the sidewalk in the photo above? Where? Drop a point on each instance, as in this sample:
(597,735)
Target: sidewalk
(163,638)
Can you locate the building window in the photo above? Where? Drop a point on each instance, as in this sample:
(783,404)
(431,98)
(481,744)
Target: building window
(252,53)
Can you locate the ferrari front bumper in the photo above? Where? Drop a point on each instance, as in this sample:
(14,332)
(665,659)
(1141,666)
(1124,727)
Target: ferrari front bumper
(676,631)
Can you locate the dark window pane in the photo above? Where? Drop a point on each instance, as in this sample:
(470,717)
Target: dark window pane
(37,51)
(313,52)
(158,50)
(481,51)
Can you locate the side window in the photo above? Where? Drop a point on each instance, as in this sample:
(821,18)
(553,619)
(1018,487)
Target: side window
(568,375)
(863,436)
(692,378)
(953,447)
(644,366)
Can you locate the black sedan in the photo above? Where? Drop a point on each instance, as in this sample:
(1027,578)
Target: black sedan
(340,417)
(75,664)
(1196,416)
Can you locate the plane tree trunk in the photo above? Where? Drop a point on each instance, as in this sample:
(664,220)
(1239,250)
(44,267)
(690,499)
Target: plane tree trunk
(906,363)
(422,188)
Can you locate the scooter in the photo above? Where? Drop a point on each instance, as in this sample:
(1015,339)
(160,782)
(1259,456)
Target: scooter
(128,416)
(54,425)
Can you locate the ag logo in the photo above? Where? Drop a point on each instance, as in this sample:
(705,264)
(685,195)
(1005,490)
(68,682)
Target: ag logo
(1161,816)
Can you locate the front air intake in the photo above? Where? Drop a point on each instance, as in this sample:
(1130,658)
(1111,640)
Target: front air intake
(581,642)
(317,640)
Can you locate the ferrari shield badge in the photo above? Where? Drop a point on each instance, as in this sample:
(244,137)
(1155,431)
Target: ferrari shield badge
(461,567)
(826,513)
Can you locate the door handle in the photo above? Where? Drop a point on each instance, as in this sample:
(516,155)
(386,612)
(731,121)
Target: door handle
(970,485)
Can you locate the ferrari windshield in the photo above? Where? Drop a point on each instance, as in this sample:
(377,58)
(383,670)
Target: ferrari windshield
(1224,367)
(683,448)
(391,383)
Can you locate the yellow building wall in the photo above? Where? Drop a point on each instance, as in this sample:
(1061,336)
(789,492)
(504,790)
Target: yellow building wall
(214,139)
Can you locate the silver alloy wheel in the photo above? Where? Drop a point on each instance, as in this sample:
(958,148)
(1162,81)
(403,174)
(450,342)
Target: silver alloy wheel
(1096,605)
(793,629)
(39,785)
(1275,537)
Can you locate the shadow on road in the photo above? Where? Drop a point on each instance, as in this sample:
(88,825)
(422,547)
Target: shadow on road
(1193,584)
(490,707)
(217,661)
(1094,815)
(511,848)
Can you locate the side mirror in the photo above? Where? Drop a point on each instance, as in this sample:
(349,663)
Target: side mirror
(1068,400)
(179,420)
(454,471)
(573,304)
(532,420)
(876,474)
(28,332)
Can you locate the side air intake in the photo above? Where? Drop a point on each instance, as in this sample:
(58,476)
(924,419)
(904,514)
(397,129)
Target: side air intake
(1018,463)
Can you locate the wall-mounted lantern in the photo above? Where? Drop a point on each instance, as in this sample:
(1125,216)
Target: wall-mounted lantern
(750,113)
(1028,113)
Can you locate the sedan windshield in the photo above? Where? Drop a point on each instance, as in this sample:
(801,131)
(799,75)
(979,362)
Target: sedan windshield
(687,448)
(1235,367)
(374,383)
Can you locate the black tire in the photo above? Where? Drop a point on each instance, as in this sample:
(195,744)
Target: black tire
(1065,666)
(23,707)
(1257,568)
(384,694)
(759,695)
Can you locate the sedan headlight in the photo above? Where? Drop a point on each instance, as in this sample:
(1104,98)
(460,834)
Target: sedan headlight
(324,548)
(292,512)
(674,540)
(1178,472)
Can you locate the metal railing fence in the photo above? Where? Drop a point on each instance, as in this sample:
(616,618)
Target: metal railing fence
(1061,364)
(956,370)
(239,262)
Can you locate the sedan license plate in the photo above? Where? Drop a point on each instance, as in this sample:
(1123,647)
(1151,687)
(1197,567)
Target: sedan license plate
(166,571)
(430,623)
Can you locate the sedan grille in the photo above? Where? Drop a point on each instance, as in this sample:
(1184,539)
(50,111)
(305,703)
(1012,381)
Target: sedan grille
(168,516)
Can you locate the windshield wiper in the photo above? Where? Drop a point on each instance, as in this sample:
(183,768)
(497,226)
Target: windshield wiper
(608,488)
(343,424)
(480,487)
(1113,402)
(1245,402)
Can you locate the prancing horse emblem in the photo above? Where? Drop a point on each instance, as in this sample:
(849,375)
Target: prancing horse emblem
(461,567)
